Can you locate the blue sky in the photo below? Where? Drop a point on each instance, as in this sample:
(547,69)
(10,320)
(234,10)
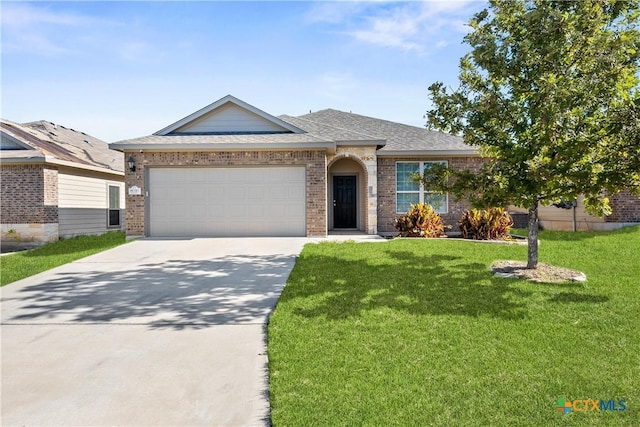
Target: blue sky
(120,70)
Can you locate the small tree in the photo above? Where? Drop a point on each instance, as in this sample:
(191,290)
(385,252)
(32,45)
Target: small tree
(546,94)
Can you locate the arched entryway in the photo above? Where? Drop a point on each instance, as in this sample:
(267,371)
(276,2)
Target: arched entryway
(347,194)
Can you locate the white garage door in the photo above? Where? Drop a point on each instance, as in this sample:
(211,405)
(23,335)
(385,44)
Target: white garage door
(261,201)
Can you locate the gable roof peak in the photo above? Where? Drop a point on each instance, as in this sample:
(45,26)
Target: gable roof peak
(222,102)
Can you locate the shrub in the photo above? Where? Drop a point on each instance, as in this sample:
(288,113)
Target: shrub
(489,224)
(420,221)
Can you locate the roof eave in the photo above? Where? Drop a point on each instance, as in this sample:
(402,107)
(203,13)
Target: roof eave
(55,161)
(242,146)
(22,160)
(423,153)
(376,142)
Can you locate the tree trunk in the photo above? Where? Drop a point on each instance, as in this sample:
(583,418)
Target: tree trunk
(532,239)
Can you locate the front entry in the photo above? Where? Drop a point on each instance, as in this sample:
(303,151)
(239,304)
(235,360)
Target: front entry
(344,202)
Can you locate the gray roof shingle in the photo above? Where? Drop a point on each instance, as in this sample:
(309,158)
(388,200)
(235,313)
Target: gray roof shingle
(399,137)
(327,131)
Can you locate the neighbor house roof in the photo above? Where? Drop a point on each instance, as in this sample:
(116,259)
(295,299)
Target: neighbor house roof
(43,141)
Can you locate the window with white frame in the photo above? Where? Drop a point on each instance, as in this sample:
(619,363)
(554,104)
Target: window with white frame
(113,218)
(409,192)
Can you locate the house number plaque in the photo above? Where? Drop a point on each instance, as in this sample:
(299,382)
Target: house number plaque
(135,191)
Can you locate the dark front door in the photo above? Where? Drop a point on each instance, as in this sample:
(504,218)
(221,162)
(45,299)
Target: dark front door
(344,202)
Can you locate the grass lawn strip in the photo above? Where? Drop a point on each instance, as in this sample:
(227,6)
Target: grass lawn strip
(419,332)
(27,263)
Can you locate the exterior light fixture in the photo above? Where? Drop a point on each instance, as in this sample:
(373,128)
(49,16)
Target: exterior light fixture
(132,163)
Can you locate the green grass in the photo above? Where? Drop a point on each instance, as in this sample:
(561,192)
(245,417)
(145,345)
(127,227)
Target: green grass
(418,332)
(24,264)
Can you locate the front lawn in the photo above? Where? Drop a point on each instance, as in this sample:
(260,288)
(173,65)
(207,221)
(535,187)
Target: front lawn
(418,332)
(24,264)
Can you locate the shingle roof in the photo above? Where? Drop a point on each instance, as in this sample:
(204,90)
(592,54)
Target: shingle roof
(49,139)
(399,137)
(322,129)
(275,138)
(327,131)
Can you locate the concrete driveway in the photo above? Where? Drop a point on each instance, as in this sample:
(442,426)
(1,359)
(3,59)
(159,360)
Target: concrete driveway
(155,332)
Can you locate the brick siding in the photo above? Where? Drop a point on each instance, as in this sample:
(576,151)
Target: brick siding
(625,207)
(50,198)
(29,194)
(314,161)
(387,189)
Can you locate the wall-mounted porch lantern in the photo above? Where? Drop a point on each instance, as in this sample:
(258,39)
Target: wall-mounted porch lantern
(132,163)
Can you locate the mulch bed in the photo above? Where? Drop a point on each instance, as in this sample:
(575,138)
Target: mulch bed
(544,273)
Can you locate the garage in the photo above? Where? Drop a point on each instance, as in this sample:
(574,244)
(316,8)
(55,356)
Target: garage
(226,201)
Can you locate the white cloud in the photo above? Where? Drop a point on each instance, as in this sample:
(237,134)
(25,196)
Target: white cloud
(31,42)
(36,29)
(409,26)
(395,28)
(20,15)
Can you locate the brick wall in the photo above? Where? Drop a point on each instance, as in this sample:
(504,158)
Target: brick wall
(50,197)
(18,204)
(314,161)
(387,189)
(625,207)
(28,204)
(29,194)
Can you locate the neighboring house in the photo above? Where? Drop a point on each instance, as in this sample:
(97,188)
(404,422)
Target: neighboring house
(231,169)
(57,182)
(625,211)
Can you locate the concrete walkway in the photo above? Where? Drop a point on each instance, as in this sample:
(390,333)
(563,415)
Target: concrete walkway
(155,332)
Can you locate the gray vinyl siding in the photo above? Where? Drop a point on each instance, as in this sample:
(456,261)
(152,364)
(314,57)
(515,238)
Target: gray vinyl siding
(78,221)
(83,203)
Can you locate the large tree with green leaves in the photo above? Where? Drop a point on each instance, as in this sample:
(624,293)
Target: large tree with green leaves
(547,95)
